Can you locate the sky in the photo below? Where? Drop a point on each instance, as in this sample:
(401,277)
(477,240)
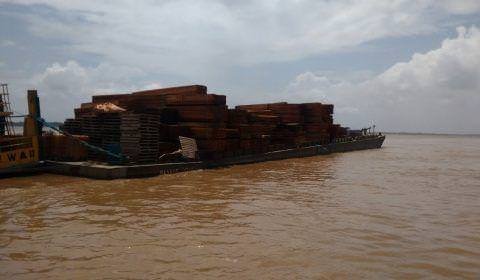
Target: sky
(406,66)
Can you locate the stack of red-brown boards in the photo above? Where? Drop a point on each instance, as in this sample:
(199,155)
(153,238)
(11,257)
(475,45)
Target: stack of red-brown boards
(63,148)
(153,120)
(139,137)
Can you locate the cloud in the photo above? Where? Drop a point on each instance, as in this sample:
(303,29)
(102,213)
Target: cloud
(63,87)
(7,43)
(189,36)
(438,91)
(460,7)
(143,43)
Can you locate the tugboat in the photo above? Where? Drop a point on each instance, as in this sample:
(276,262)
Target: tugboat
(19,153)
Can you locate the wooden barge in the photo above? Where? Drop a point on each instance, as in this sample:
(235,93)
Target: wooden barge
(170,130)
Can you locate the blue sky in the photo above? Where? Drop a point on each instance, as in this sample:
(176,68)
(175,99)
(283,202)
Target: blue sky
(405,65)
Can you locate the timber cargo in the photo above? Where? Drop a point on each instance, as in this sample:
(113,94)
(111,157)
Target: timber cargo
(122,131)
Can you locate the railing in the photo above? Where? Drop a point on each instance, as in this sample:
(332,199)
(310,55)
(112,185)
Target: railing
(355,138)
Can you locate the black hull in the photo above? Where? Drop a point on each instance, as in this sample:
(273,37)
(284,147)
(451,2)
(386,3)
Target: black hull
(356,145)
(22,170)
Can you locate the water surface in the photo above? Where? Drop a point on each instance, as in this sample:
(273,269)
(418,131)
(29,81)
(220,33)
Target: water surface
(410,210)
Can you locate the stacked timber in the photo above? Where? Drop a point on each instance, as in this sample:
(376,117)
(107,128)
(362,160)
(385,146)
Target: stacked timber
(280,112)
(63,148)
(271,126)
(73,126)
(139,137)
(91,127)
(110,123)
(100,123)
(284,125)
(145,125)
(317,121)
(191,112)
(253,131)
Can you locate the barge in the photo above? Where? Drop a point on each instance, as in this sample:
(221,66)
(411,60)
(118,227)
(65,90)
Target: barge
(163,131)
(109,172)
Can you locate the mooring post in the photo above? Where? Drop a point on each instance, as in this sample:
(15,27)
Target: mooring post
(32,127)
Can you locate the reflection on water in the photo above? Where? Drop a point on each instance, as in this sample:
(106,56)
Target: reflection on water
(409,210)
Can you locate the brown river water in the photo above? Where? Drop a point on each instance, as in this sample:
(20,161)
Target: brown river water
(410,210)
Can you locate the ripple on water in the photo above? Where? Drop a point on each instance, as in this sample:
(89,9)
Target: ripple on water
(407,211)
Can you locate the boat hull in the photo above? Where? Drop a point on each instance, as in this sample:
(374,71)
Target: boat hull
(357,144)
(98,171)
(108,172)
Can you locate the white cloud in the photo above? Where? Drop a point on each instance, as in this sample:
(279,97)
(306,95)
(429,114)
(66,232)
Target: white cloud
(437,91)
(189,36)
(63,87)
(460,7)
(197,41)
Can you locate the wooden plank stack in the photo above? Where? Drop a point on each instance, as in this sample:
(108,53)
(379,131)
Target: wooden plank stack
(317,121)
(287,125)
(154,120)
(110,124)
(73,126)
(63,148)
(139,137)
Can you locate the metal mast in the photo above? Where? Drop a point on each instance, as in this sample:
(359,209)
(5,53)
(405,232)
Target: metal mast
(6,124)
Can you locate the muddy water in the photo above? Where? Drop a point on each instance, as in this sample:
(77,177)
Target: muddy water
(408,211)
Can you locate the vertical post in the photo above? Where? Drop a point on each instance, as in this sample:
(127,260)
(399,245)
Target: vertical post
(2,117)
(34,108)
(32,127)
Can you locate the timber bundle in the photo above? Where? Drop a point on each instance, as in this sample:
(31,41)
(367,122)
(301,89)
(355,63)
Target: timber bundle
(146,125)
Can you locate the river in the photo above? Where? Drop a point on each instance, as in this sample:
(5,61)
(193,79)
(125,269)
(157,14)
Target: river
(410,210)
